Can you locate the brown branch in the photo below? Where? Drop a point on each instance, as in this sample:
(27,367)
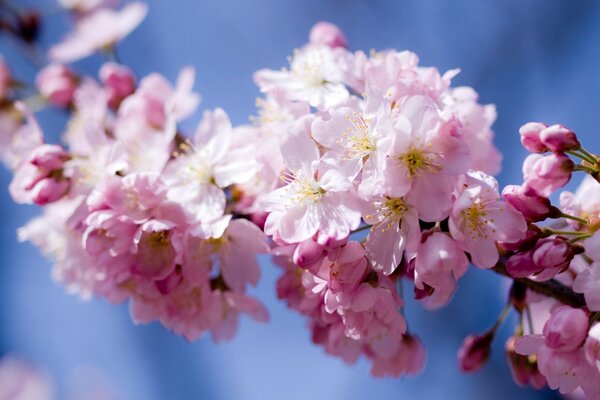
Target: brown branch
(551,288)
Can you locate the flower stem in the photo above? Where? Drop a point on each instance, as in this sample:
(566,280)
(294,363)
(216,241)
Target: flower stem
(585,156)
(551,288)
(574,218)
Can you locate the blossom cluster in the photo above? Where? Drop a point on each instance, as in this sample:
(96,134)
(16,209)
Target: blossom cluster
(367,177)
(382,145)
(134,210)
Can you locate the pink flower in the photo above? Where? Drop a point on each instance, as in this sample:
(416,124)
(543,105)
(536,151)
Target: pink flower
(119,82)
(423,161)
(328,34)
(566,329)
(316,198)
(524,371)
(83,7)
(395,228)
(314,76)
(39,178)
(476,129)
(236,251)
(99,30)
(308,253)
(206,166)
(356,141)
(588,280)
(475,351)
(547,173)
(57,83)
(20,381)
(561,358)
(530,137)
(479,219)
(559,138)
(439,264)
(526,200)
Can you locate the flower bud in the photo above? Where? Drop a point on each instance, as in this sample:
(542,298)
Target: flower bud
(308,253)
(545,174)
(525,200)
(119,82)
(566,329)
(552,256)
(559,138)
(521,265)
(328,34)
(530,137)
(49,190)
(49,157)
(475,351)
(5,79)
(57,83)
(28,26)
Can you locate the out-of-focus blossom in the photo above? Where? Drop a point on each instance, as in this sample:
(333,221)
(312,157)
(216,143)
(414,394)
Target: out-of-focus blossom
(328,34)
(100,30)
(20,381)
(119,82)
(57,84)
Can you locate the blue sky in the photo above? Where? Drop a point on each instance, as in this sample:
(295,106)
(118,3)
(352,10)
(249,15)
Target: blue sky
(536,60)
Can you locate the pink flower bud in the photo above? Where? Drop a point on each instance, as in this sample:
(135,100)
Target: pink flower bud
(119,82)
(474,352)
(566,329)
(49,190)
(530,137)
(559,138)
(521,265)
(328,34)
(57,83)
(49,157)
(308,253)
(552,256)
(5,79)
(545,174)
(525,200)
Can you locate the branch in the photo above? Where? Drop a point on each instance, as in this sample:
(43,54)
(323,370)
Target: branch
(551,288)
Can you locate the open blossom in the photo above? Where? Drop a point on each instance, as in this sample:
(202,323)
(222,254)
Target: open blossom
(317,198)
(560,353)
(423,160)
(99,30)
(314,76)
(479,219)
(356,140)
(207,165)
(588,279)
(395,228)
(21,381)
(476,122)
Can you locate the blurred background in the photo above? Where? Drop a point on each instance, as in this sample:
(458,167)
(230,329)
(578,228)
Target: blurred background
(537,60)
